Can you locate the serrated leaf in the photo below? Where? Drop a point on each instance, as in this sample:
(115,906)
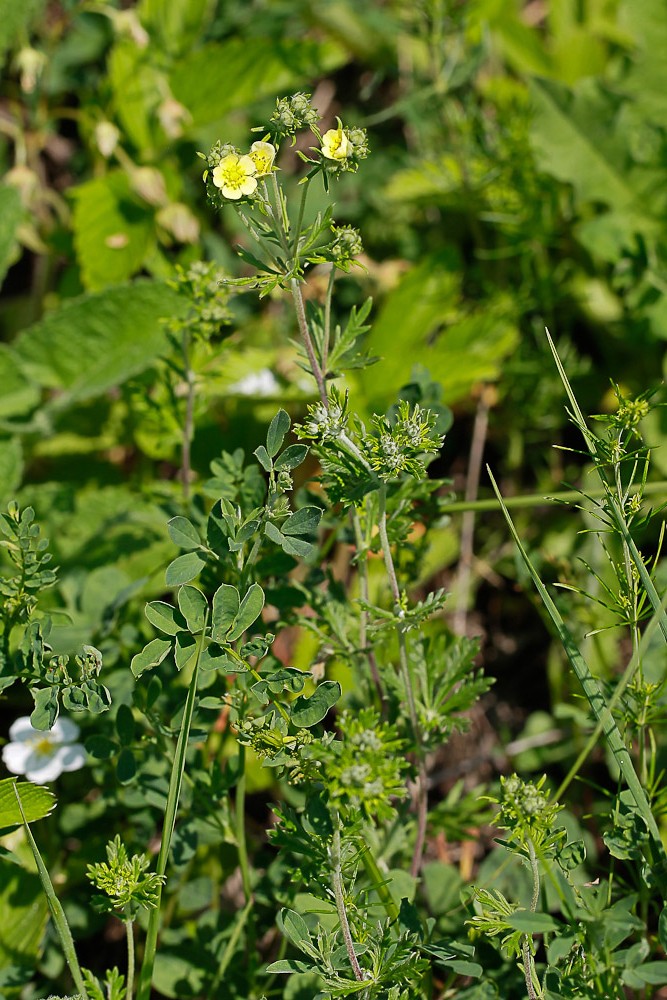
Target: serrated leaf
(226,604)
(193,606)
(150,656)
(63,350)
(307,712)
(184,568)
(303,522)
(291,457)
(165,617)
(275,436)
(37,802)
(248,613)
(183,533)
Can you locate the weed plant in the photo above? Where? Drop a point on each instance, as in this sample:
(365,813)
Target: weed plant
(338,897)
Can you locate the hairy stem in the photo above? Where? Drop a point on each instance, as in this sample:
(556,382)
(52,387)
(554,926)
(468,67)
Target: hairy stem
(173,796)
(362,569)
(239,816)
(526,953)
(317,373)
(468,525)
(188,425)
(339,895)
(421,795)
(129,930)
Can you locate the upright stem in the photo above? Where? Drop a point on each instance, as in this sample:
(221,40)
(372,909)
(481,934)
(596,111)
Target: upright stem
(327,318)
(307,340)
(339,895)
(362,569)
(239,815)
(173,796)
(528,963)
(129,930)
(468,521)
(188,426)
(406,674)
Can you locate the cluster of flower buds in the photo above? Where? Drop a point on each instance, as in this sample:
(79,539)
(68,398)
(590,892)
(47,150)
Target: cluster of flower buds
(292,114)
(325,423)
(399,447)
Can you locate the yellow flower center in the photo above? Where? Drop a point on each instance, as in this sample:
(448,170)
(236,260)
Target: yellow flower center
(262,155)
(335,144)
(42,745)
(235,176)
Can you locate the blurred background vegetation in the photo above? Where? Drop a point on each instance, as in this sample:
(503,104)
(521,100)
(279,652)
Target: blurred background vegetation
(518,179)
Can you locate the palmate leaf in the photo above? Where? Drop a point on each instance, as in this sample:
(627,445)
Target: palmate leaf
(37,801)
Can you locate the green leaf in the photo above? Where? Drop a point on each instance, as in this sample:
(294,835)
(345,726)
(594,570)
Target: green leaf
(11,466)
(126,766)
(37,801)
(193,606)
(184,568)
(248,613)
(303,522)
(183,533)
(262,456)
(278,428)
(150,656)
(307,712)
(226,604)
(185,648)
(297,547)
(11,213)
(114,230)
(294,927)
(532,923)
(213,657)
(175,24)
(288,965)
(125,724)
(19,394)
(136,83)
(165,617)
(100,747)
(654,973)
(45,712)
(24,912)
(291,457)
(63,350)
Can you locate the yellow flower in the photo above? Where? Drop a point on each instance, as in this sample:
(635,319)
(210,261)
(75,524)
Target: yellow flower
(235,176)
(335,144)
(262,155)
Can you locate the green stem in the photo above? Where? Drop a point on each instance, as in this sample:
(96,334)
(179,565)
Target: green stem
(55,906)
(530,974)
(378,882)
(231,947)
(656,855)
(188,425)
(299,220)
(307,341)
(173,796)
(327,318)
(530,500)
(129,930)
(406,674)
(239,816)
(362,569)
(339,896)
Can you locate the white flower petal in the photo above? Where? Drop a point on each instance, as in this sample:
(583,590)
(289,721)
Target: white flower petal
(233,193)
(21,729)
(15,757)
(71,757)
(44,769)
(249,185)
(64,730)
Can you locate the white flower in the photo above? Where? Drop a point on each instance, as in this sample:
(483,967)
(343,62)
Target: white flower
(41,755)
(261,383)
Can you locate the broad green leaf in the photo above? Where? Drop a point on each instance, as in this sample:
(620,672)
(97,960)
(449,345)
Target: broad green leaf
(213,657)
(303,522)
(126,766)
(175,24)
(654,973)
(150,656)
(307,712)
(46,709)
(288,965)
(248,613)
(63,350)
(183,533)
(278,428)
(165,617)
(297,547)
(19,394)
(135,80)
(184,568)
(215,78)
(226,603)
(291,457)
(193,606)
(532,923)
(114,230)
(647,78)
(36,800)
(425,318)
(11,466)
(11,212)
(23,915)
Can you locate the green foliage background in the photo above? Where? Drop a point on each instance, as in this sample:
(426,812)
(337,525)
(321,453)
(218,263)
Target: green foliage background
(518,180)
